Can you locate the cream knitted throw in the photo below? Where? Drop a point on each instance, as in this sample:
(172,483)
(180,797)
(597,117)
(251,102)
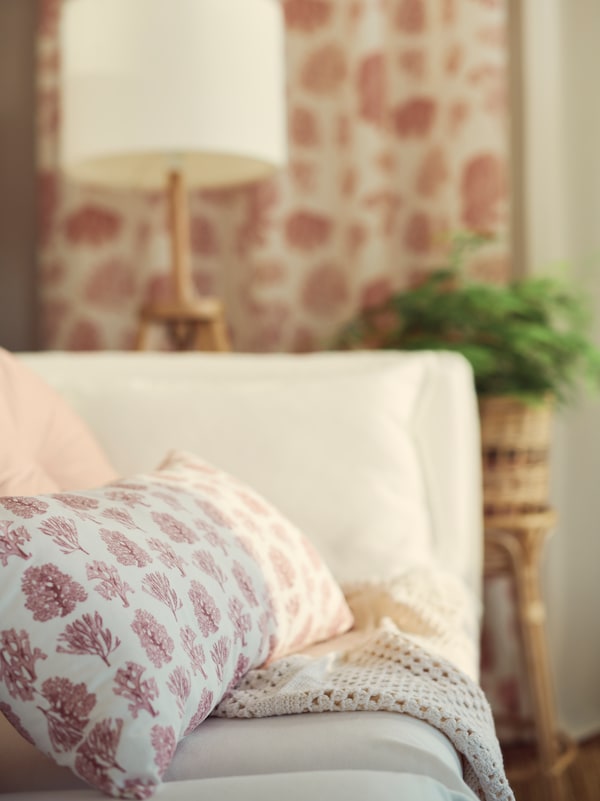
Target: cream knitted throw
(400,657)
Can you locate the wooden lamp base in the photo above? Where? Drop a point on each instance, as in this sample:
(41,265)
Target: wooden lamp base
(191,325)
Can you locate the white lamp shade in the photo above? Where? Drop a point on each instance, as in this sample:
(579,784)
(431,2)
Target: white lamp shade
(148,85)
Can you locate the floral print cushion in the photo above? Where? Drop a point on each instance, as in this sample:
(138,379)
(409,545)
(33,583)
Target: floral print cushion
(127,612)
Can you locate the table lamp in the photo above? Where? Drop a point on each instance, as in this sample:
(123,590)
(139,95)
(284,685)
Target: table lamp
(173,94)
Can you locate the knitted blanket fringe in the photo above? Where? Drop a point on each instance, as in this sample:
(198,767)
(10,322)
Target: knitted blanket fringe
(392,670)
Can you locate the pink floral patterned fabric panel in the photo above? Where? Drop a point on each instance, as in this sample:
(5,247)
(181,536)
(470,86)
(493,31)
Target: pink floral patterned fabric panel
(397,119)
(128,611)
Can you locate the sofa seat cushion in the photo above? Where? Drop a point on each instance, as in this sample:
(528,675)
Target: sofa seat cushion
(46,446)
(127,612)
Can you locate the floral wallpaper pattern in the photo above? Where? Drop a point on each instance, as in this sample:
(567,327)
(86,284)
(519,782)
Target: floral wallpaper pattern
(398,135)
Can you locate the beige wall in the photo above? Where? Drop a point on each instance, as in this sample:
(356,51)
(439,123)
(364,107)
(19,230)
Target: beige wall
(577,546)
(561,209)
(17,175)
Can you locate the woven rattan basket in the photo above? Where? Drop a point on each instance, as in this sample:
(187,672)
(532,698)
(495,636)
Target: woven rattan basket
(515,445)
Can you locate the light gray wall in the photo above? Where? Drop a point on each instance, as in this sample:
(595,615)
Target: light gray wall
(18,315)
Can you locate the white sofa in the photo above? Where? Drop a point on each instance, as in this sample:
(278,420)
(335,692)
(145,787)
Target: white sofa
(375,457)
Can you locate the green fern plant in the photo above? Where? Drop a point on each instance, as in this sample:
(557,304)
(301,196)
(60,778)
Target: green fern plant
(528,338)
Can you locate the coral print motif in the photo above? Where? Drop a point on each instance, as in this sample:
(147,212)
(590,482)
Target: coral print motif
(24,507)
(17,663)
(171,500)
(11,540)
(215,514)
(173,528)
(120,516)
(78,503)
(154,637)
(180,685)
(97,756)
(141,692)
(87,636)
(68,715)
(138,788)
(158,585)
(122,638)
(126,551)
(50,592)
(167,555)
(110,585)
(195,652)
(214,538)
(163,742)
(219,654)
(204,708)
(241,669)
(252,502)
(207,612)
(242,622)
(283,567)
(130,499)
(63,532)
(206,562)
(244,583)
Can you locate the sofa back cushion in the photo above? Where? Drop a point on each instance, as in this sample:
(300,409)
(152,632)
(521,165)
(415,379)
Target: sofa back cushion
(375,456)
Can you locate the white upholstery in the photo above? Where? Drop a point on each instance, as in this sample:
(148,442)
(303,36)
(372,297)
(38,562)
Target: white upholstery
(374,455)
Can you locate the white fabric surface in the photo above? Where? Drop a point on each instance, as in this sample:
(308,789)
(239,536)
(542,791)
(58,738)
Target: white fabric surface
(326,741)
(382,668)
(349,785)
(374,455)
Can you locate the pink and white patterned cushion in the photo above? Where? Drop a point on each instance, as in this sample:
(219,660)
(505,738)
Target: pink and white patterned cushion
(127,612)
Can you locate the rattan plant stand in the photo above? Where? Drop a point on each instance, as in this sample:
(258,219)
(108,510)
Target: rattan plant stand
(513,547)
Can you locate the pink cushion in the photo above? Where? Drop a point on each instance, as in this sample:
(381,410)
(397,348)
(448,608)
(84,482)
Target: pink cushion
(46,446)
(127,612)
(306,600)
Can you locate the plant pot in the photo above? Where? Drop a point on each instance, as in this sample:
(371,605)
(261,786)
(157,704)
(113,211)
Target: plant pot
(515,448)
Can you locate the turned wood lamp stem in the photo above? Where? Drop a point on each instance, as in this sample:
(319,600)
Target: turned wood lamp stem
(190,321)
(179,224)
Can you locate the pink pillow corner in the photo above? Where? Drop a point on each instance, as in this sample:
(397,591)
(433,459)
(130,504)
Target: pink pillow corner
(308,602)
(46,444)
